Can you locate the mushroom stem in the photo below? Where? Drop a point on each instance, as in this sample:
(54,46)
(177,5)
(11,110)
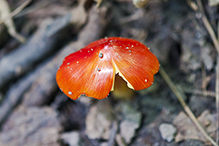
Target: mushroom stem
(121,90)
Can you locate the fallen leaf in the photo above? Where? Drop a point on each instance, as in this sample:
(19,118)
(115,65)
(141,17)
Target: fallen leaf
(187,129)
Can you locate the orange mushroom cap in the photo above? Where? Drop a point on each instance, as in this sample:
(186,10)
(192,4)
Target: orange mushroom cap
(91,70)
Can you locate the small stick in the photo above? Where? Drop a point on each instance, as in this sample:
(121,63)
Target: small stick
(217,97)
(208,26)
(185,106)
(199,92)
(216,44)
(16,11)
(5,14)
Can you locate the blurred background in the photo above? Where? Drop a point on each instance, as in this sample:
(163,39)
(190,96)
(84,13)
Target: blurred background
(36,35)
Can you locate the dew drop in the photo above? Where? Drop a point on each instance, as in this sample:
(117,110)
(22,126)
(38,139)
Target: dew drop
(68,63)
(69,92)
(88,51)
(91,49)
(77,61)
(130,51)
(127,47)
(132,46)
(98,69)
(146,80)
(67,66)
(101,55)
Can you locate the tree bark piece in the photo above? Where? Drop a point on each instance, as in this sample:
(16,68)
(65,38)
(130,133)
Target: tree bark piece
(41,44)
(31,126)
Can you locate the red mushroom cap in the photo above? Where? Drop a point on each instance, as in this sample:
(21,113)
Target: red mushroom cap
(91,70)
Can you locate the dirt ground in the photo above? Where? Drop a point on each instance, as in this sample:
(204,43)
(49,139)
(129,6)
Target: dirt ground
(33,44)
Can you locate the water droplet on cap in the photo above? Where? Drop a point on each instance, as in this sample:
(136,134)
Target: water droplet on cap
(101,55)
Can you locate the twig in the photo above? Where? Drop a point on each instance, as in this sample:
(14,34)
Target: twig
(216,44)
(199,92)
(217,97)
(5,14)
(192,5)
(217,92)
(42,43)
(111,141)
(218,31)
(12,65)
(98,2)
(34,8)
(16,11)
(208,26)
(180,97)
(14,94)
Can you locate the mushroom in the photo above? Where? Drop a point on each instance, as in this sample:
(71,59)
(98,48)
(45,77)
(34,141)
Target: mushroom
(91,71)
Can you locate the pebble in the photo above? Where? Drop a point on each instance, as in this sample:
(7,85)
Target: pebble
(167,131)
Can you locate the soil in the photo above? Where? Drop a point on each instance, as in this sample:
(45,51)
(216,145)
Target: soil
(33,110)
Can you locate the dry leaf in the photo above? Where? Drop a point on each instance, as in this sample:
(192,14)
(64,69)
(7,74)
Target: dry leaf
(187,129)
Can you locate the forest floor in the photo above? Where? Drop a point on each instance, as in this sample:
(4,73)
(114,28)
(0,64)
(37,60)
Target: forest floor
(33,111)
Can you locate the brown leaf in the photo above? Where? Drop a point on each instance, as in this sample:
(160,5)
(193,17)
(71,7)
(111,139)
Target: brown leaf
(187,129)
